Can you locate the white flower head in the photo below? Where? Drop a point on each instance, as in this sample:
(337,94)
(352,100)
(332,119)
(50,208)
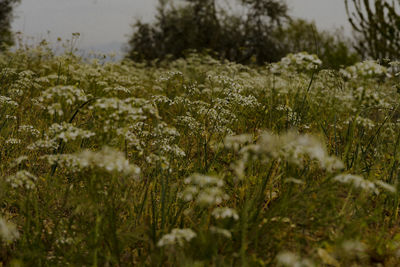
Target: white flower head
(176,237)
(354,248)
(388,187)
(221,231)
(290,259)
(357,181)
(68,132)
(204,190)
(8,231)
(22,179)
(223,213)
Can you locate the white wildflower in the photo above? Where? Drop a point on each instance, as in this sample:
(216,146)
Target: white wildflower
(220,231)
(54,109)
(69,94)
(107,159)
(8,231)
(204,190)
(170,75)
(43,144)
(388,187)
(23,179)
(296,62)
(177,236)
(13,141)
(117,89)
(68,132)
(65,240)
(69,161)
(28,129)
(223,213)
(204,180)
(18,161)
(291,259)
(292,147)
(211,196)
(357,181)
(6,101)
(189,122)
(354,248)
(365,69)
(234,142)
(190,192)
(11,117)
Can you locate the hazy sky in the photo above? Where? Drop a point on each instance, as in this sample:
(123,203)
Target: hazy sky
(105,24)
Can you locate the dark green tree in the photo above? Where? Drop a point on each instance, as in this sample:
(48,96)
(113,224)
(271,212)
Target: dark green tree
(262,20)
(204,25)
(377,24)
(6,8)
(332,47)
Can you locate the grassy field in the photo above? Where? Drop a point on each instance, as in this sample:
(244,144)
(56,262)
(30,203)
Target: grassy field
(197,162)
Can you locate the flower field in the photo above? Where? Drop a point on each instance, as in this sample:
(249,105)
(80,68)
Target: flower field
(197,162)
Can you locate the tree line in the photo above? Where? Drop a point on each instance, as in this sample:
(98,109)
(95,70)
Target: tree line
(6,8)
(253,32)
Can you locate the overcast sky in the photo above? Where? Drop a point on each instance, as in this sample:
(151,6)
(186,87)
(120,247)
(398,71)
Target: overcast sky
(105,24)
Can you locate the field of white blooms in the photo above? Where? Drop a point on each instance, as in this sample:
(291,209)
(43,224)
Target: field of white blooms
(197,162)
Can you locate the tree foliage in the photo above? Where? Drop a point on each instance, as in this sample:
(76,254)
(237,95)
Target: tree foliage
(378,26)
(6,8)
(333,48)
(206,25)
(261,32)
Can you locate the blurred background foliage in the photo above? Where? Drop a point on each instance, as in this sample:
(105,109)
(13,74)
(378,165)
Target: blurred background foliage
(253,32)
(6,8)
(377,27)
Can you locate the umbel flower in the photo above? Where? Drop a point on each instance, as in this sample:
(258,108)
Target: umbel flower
(290,259)
(297,62)
(291,147)
(224,212)
(204,190)
(65,131)
(8,231)
(107,159)
(68,132)
(22,179)
(363,184)
(365,69)
(56,100)
(177,236)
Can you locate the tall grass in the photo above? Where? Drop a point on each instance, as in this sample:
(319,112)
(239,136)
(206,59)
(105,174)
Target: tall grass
(197,162)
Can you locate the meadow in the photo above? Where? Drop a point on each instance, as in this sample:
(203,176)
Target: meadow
(197,162)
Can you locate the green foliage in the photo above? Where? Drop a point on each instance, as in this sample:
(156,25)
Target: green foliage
(332,47)
(204,25)
(378,26)
(263,33)
(6,8)
(197,162)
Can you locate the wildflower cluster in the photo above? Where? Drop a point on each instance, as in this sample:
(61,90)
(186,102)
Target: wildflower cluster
(291,147)
(297,62)
(365,69)
(23,179)
(59,100)
(177,236)
(204,190)
(197,161)
(359,182)
(107,159)
(8,231)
